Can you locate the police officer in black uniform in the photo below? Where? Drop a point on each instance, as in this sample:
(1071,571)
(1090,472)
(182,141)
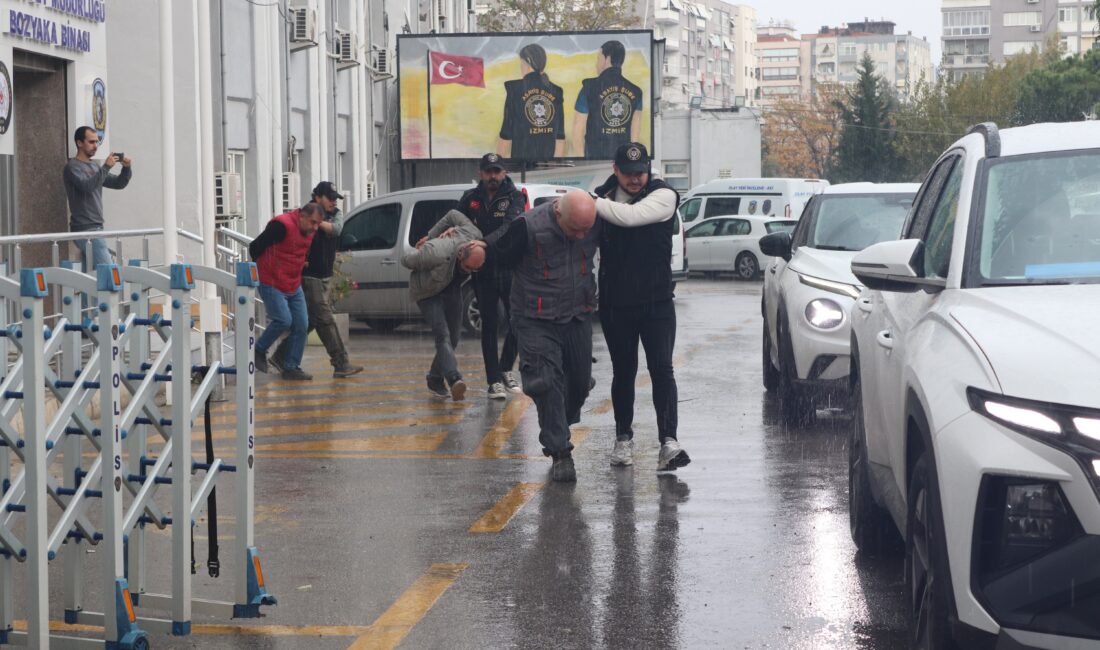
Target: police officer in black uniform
(495,201)
(534,116)
(636,297)
(607,107)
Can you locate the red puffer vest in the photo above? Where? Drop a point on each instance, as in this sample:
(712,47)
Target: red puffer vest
(281,265)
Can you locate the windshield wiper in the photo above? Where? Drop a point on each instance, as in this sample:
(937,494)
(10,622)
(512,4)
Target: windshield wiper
(1027,283)
(826,247)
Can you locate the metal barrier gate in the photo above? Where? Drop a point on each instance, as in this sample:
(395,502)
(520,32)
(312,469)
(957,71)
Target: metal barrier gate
(47,463)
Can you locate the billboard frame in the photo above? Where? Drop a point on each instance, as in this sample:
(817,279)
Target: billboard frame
(653,79)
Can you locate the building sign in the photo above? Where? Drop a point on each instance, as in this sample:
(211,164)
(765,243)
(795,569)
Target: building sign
(58,33)
(527,96)
(6,99)
(99,107)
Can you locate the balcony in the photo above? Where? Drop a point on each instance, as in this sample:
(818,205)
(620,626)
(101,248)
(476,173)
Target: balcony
(672,43)
(666,16)
(959,60)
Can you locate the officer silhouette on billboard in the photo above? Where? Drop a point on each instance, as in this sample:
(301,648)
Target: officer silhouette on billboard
(534,119)
(607,107)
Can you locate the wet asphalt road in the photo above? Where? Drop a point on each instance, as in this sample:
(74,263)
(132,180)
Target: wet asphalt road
(386,519)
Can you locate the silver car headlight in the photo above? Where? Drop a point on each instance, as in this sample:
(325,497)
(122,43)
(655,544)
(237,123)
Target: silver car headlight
(824,314)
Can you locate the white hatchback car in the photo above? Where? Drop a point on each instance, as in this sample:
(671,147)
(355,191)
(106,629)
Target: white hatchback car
(976,375)
(724,244)
(809,290)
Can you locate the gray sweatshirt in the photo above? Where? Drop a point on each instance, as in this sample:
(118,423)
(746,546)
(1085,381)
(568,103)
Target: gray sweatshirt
(84,183)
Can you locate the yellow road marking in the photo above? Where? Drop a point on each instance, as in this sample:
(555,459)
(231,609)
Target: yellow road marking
(315,389)
(393,456)
(499,515)
(579,435)
(415,442)
(396,622)
(501,432)
(264,414)
(342,427)
(603,407)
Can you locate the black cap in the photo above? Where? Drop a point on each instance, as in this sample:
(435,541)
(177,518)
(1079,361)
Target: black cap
(327,190)
(491,161)
(632,158)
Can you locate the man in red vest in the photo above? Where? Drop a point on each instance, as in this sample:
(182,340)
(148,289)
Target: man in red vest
(280,255)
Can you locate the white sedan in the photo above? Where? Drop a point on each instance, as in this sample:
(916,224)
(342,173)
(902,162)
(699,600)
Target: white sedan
(809,290)
(976,372)
(731,244)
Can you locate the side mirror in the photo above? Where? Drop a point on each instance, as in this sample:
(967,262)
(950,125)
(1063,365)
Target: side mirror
(894,266)
(777,244)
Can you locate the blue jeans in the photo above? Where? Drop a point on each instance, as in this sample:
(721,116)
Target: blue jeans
(285,311)
(100,253)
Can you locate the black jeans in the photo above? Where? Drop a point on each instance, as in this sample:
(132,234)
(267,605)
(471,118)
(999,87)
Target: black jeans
(653,324)
(555,360)
(443,313)
(491,286)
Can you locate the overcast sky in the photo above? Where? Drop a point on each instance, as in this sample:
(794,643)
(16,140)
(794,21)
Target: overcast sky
(922,17)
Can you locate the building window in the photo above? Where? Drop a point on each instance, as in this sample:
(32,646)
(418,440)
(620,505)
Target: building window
(779,55)
(966,23)
(847,49)
(676,175)
(1023,18)
(774,74)
(1017,47)
(1067,14)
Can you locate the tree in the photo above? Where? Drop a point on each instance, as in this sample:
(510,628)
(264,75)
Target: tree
(557,15)
(800,138)
(1067,90)
(866,148)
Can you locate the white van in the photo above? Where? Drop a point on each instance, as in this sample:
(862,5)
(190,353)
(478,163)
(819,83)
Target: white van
(765,197)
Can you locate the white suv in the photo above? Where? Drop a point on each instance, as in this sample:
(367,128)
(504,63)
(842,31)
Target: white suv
(976,375)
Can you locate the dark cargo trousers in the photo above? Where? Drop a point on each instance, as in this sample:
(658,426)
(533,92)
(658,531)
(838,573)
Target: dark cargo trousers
(555,361)
(319,306)
(490,286)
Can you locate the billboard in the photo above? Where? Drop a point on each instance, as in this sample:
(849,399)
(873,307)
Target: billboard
(526,96)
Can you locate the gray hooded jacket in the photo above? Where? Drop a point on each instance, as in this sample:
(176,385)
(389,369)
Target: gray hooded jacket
(435,263)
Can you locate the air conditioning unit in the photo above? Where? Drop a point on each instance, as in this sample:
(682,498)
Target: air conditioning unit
(227,195)
(347,46)
(291,191)
(370,190)
(381,63)
(303,27)
(1036,28)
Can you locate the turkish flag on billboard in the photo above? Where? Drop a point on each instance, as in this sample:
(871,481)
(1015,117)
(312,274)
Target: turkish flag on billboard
(454,69)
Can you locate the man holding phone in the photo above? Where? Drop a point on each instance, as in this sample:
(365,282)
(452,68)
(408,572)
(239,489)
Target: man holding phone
(84,182)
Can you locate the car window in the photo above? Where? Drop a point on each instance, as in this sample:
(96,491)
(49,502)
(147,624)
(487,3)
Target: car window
(780,226)
(676,226)
(425,215)
(737,227)
(705,229)
(917,222)
(798,235)
(372,229)
(852,222)
(689,209)
(718,206)
(941,227)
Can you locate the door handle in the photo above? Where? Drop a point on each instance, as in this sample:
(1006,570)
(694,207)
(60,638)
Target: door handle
(865,305)
(885,339)
(388,262)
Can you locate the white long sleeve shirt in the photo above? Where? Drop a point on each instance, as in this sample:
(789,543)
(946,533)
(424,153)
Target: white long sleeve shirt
(655,208)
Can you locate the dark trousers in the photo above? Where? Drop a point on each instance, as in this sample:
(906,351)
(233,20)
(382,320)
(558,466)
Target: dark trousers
(319,306)
(443,313)
(653,324)
(490,287)
(555,360)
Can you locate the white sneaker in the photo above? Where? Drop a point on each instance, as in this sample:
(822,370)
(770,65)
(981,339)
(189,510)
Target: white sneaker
(496,391)
(672,456)
(511,383)
(623,453)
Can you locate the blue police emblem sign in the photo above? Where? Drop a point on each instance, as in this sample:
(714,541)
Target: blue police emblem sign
(99,107)
(6,99)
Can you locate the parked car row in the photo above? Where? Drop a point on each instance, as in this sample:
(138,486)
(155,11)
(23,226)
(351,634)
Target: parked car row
(973,368)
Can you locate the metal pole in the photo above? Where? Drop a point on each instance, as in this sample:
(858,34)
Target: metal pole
(182,283)
(244,338)
(74,448)
(167,134)
(109,284)
(137,440)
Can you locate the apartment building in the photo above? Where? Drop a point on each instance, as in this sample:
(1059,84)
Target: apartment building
(784,62)
(979,32)
(835,52)
(710,51)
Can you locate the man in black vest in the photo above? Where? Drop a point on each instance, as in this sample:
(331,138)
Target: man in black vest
(493,203)
(636,297)
(607,107)
(316,277)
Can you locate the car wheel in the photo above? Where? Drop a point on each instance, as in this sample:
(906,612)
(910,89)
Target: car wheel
(771,375)
(796,405)
(927,577)
(471,314)
(746,267)
(383,324)
(871,527)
